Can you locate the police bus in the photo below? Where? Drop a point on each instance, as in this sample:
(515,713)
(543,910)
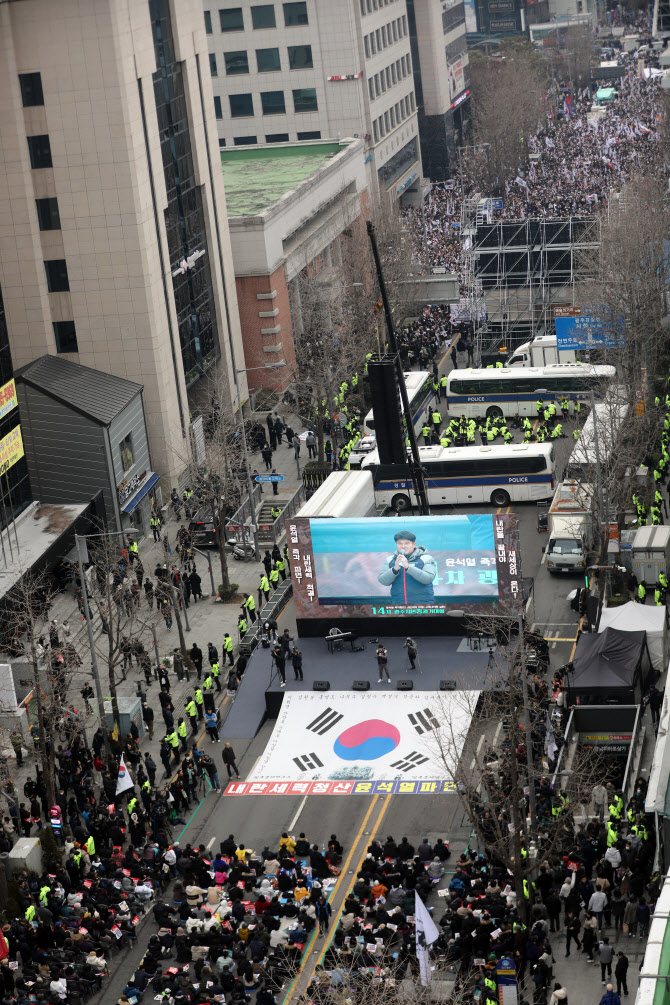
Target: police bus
(496,392)
(495,475)
(419,385)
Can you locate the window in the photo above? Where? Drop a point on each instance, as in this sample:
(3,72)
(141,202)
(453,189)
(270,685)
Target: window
(304,99)
(40,151)
(411,98)
(236,62)
(387,74)
(276,138)
(362,8)
(263,16)
(231,19)
(382,80)
(371,88)
(218,111)
(392,118)
(212,65)
(375,131)
(57,281)
(295,14)
(241,105)
(222,142)
(386,122)
(393,76)
(378,36)
(244,141)
(366,43)
(384,42)
(47,214)
(300,57)
(394,28)
(314,134)
(376,85)
(208,22)
(66,336)
(268,60)
(404,24)
(31,89)
(126,452)
(273,102)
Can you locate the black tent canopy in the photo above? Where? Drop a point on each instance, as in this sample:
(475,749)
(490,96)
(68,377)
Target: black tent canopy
(608,667)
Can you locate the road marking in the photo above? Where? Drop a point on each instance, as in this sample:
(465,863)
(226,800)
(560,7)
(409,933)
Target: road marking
(573,638)
(579,628)
(300,809)
(343,873)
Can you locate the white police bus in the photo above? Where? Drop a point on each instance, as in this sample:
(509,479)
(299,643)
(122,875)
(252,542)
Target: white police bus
(515,391)
(419,385)
(495,475)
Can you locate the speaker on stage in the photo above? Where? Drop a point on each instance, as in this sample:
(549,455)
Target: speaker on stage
(447,685)
(361,685)
(321,685)
(405,685)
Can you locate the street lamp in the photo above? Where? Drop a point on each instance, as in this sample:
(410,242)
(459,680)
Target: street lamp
(250,489)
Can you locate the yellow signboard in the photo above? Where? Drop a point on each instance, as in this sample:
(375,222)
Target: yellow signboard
(11,450)
(7,398)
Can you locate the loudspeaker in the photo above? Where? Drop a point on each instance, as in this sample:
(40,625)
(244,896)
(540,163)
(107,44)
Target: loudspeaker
(361,685)
(405,685)
(321,685)
(447,685)
(385,394)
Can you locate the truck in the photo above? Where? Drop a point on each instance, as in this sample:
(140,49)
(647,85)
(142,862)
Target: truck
(343,494)
(570,528)
(542,351)
(651,554)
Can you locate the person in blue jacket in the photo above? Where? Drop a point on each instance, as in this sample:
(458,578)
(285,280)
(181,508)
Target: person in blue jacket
(409,572)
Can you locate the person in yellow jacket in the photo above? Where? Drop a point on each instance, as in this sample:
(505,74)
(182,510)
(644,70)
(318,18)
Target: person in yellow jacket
(182,733)
(192,713)
(199,702)
(249,606)
(90,843)
(287,843)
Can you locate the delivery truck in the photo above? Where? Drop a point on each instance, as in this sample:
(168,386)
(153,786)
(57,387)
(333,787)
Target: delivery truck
(570,528)
(542,351)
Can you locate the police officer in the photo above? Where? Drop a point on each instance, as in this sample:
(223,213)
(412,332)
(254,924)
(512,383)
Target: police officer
(281,567)
(641,593)
(208,692)
(264,587)
(215,671)
(199,702)
(274,577)
(182,734)
(249,606)
(192,714)
(173,740)
(228,648)
(133,551)
(242,626)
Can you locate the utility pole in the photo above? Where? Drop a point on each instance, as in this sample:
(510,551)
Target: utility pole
(530,763)
(415,467)
(91,643)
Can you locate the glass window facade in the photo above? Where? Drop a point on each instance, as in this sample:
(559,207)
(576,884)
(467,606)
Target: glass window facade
(236,62)
(47,214)
(231,19)
(15,493)
(313,134)
(276,138)
(65,335)
(212,65)
(300,57)
(245,141)
(184,216)
(208,22)
(398,164)
(57,280)
(241,105)
(31,89)
(268,60)
(39,149)
(263,16)
(304,99)
(273,102)
(295,14)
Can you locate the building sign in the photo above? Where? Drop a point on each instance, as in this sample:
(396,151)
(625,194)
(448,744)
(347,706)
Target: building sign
(346,76)
(504,24)
(454,104)
(11,450)
(129,486)
(7,398)
(456,78)
(501,6)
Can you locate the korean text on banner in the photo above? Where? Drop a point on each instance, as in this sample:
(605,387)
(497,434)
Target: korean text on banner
(11,450)
(7,398)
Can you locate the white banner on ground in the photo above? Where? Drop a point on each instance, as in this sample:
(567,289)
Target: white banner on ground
(351,736)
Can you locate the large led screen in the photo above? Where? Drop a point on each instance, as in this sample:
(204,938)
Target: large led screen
(410,565)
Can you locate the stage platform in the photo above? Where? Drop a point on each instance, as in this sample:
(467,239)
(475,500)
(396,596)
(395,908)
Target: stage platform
(450,658)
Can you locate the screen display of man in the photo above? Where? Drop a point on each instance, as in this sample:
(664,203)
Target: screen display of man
(410,571)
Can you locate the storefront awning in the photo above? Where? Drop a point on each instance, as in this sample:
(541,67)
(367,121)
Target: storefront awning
(136,499)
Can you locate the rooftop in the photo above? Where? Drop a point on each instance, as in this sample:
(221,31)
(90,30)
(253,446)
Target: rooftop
(256,177)
(100,396)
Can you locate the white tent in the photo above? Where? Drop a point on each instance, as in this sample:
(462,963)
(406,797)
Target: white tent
(633,617)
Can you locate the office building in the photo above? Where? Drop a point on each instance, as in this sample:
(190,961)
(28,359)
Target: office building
(317,70)
(441,81)
(114,248)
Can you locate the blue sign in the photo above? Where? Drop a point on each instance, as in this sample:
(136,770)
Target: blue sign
(496,203)
(269,478)
(586,331)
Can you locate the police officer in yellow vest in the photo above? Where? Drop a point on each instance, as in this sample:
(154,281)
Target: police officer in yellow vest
(199,701)
(249,606)
(90,845)
(280,564)
(192,714)
(425,432)
(214,671)
(30,912)
(274,580)
(182,733)
(133,551)
(208,693)
(44,894)
(264,587)
(443,386)
(173,740)
(132,803)
(228,648)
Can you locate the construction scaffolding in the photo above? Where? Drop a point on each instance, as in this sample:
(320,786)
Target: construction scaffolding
(516,273)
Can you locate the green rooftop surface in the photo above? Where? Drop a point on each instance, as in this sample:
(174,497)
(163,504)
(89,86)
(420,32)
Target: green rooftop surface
(255,177)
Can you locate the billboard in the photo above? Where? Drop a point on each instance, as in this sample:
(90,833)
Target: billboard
(11,449)
(376,567)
